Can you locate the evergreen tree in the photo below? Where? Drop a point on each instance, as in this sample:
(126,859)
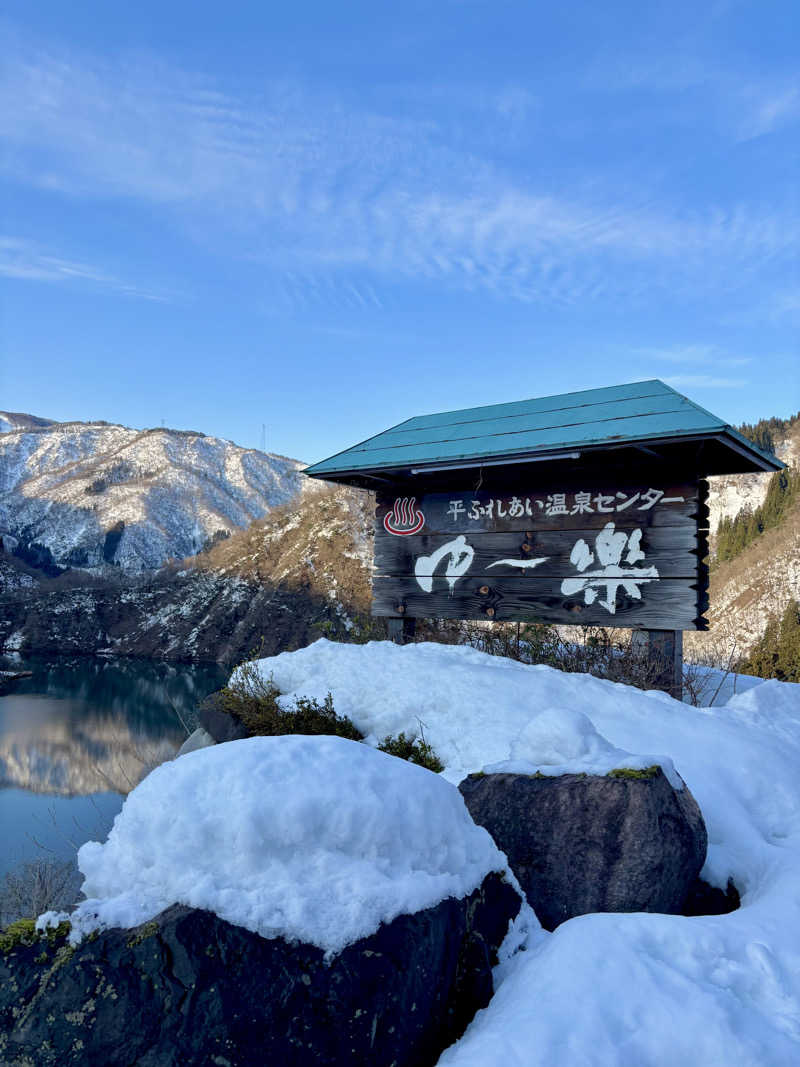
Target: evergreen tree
(734,535)
(777,652)
(788,664)
(766,432)
(763,658)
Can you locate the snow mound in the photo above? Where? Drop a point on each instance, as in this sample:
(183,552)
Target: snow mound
(564,741)
(479,712)
(315,839)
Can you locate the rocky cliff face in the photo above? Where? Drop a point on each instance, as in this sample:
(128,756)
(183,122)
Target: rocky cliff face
(760,582)
(748,590)
(731,493)
(93,495)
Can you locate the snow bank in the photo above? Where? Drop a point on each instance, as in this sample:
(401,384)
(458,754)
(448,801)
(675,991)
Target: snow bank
(603,990)
(714,686)
(479,712)
(317,839)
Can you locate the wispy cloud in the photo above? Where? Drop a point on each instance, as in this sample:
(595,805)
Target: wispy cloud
(767,108)
(316,188)
(27,261)
(741,105)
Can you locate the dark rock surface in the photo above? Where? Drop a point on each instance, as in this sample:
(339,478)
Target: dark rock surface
(705,899)
(220,724)
(586,843)
(189,988)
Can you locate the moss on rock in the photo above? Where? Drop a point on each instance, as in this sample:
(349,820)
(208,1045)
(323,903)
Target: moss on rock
(22,932)
(630,772)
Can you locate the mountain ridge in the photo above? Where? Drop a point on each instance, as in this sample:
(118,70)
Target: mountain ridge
(98,494)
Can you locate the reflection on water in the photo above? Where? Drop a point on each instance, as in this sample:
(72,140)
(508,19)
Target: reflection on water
(80,734)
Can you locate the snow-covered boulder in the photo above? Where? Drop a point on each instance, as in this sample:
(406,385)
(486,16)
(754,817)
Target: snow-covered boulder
(315,839)
(578,843)
(614,988)
(287,900)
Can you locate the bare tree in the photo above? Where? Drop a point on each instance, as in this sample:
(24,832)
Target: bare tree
(38,885)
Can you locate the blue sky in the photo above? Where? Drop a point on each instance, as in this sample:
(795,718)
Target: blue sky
(330,217)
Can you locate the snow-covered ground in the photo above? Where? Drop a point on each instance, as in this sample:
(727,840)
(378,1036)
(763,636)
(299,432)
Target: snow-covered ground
(614,989)
(633,989)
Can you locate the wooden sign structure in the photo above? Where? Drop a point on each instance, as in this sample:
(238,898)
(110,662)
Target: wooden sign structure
(605,555)
(583,509)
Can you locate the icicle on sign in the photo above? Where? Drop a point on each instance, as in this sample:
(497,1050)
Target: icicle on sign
(615,556)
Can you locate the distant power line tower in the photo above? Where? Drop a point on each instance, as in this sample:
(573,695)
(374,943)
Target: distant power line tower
(263,437)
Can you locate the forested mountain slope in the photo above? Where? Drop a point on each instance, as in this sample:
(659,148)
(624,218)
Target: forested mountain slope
(731,493)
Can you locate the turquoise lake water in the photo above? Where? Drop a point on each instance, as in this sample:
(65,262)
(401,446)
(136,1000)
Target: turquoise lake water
(78,736)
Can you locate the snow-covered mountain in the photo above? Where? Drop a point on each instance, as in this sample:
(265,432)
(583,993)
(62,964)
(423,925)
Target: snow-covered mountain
(92,494)
(304,564)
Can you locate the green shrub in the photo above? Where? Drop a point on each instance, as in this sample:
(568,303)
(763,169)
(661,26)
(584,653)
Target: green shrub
(253,700)
(21,932)
(414,749)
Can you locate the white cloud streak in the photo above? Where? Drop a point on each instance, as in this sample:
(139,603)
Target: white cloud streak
(27,261)
(742,107)
(312,188)
(768,108)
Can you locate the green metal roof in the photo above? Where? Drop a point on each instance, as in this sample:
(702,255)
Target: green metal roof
(542,428)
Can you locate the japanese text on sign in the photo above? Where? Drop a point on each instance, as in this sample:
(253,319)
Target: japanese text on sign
(554,504)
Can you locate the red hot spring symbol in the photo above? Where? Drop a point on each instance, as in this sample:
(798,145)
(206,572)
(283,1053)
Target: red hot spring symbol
(404,518)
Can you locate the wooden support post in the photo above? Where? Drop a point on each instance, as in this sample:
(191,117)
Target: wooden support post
(664,650)
(401,631)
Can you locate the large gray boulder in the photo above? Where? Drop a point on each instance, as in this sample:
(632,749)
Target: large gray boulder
(190,988)
(582,843)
